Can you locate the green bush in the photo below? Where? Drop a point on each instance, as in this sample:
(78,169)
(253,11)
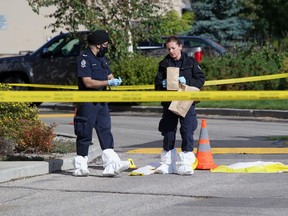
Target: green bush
(136,69)
(21,130)
(11,113)
(141,70)
(246,64)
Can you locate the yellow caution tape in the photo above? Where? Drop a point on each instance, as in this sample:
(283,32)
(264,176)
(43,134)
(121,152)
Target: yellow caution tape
(246,79)
(45,86)
(136,96)
(74,87)
(151,87)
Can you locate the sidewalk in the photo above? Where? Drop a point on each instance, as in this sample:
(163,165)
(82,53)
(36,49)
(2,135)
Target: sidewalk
(10,170)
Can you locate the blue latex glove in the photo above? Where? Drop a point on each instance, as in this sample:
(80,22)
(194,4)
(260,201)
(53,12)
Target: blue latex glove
(119,81)
(164,83)
(115,82)
(182,80)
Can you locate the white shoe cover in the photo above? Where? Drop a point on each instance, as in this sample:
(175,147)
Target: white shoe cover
(184,166)
(81,166)
(112,163)
(168,159)
(164,169)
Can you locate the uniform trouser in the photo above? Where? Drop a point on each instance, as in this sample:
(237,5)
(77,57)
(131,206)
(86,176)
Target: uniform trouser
(89,116)
(168,128)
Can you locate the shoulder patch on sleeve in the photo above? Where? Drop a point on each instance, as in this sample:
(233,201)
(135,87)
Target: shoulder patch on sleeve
(83,63)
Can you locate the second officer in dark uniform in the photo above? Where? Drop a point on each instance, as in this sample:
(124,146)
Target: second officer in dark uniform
(191,75)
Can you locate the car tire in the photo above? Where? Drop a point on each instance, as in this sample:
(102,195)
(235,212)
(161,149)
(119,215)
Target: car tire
(15,79)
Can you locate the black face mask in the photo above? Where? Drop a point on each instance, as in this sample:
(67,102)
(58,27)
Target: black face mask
(102,51)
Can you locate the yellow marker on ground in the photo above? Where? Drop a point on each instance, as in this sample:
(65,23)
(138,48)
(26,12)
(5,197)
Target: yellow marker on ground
(132,165)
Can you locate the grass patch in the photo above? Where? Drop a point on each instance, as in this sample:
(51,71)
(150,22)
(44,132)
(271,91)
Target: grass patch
(279,138)
(63,146)
(243,104)
(22,158)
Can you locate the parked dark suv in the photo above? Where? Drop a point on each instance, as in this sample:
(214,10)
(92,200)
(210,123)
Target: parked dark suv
(52,63)
(208,46)
(55,61)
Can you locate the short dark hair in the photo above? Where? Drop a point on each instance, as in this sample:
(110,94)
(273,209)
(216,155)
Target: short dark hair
(173,39)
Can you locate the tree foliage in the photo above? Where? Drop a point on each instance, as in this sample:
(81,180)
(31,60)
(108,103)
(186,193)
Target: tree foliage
(269,18)
(219,20)
(173,24)
(128,21)
(242,20)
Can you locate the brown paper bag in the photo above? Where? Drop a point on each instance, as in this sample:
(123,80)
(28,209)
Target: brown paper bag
(181,107)
(172,78)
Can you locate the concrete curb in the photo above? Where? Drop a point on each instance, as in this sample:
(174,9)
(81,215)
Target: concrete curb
(12,170)
(279,114)
(251,113)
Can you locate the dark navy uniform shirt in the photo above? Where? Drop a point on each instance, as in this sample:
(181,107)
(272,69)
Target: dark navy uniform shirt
(89,65)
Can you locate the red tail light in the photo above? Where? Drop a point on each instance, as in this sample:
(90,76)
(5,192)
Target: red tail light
(198,55)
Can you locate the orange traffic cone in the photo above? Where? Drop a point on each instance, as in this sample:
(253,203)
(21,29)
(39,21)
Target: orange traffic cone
(72,123)
(204,154)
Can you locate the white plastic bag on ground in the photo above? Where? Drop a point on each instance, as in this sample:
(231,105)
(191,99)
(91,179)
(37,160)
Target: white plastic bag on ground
(252,167)
(146,170)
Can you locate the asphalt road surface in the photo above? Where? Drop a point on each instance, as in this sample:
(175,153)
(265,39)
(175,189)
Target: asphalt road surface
(204,193)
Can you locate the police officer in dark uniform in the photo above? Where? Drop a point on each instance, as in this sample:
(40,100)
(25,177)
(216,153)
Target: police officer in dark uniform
(94,74)
(192,75)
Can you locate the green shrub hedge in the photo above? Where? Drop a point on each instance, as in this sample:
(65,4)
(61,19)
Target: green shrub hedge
(246,64)
(21,130)
(136,70)
(139,69)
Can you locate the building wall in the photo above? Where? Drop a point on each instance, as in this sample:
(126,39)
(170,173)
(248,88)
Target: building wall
(23,30)
(179,5)
(20,28)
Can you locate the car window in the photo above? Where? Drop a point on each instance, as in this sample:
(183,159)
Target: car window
(72,48)
(218,46)
(149,45)
(65,47)
(194,42)
(54,47)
